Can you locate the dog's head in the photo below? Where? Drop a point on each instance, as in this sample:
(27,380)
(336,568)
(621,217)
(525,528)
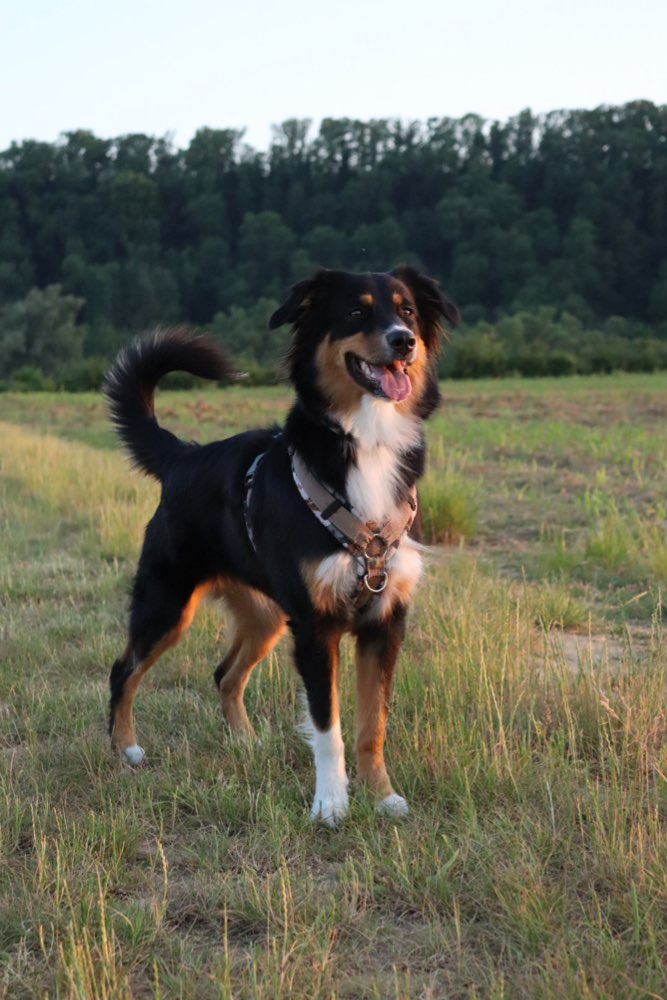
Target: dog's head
(357,334)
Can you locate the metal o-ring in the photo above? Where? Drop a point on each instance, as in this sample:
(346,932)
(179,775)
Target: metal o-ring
(376,590)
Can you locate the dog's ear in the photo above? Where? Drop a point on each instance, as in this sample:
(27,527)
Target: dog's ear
(301,297)
(432,304)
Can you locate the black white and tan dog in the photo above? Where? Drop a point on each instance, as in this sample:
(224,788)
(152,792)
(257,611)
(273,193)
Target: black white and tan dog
(307,528)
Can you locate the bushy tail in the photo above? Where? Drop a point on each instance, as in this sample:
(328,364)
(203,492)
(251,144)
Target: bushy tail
(129,388)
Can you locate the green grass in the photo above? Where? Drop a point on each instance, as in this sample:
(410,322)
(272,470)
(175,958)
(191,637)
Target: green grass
(534,861)
(448,505)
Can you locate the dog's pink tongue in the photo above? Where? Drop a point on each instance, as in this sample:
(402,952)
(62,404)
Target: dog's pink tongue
(395,383)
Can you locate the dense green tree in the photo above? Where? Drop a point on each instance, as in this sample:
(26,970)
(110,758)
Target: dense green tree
(264,250)
(657,310)
(566,210)
(326,247)
(134,207)
(245,335)
(40,331)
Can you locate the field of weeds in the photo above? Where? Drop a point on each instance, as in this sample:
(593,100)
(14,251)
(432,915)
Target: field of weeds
(528,731)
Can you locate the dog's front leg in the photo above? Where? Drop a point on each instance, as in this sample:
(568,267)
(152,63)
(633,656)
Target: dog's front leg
(316,654)
(378,645)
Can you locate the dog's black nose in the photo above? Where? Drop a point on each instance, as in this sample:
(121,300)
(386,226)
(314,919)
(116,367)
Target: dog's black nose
(401,342)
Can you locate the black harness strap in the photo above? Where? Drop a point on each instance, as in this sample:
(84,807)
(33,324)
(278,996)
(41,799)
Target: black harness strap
(372,545)
(247,488)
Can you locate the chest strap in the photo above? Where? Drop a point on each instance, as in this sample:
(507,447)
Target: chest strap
(371,544)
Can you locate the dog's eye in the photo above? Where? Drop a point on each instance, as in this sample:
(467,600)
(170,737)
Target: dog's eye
(355,314)
(407,311)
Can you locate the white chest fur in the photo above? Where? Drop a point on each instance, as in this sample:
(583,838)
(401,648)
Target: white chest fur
(335,580)
(384,436)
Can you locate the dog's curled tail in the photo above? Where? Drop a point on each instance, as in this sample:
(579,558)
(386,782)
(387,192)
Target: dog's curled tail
(129,388)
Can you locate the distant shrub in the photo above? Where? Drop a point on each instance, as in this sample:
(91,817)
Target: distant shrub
(542,343)
(562,363)
(29,378)
(86,376)
(253,373)
(477,355)
(180,380)
(40,333)
(646,355)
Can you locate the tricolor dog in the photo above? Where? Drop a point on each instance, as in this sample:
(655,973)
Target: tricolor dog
(307,528)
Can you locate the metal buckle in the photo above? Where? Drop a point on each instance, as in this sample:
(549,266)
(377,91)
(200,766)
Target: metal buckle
(378,550)
(376,590)
(379,543)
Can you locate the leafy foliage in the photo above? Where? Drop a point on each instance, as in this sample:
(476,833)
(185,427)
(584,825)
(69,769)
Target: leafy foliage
(546,342)
(40,332)
(566,210)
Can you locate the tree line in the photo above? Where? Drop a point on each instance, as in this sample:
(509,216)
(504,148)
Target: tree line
(549,231)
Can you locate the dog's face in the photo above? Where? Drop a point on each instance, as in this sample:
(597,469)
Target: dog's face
(357,334)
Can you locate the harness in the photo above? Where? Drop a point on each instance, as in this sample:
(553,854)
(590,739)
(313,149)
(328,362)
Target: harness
(372,545)
(247,488)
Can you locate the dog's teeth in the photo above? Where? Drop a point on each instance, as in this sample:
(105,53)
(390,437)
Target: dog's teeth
(366,369)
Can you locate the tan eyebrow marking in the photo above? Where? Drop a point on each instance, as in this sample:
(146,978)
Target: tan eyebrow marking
(366,299)
(398,299)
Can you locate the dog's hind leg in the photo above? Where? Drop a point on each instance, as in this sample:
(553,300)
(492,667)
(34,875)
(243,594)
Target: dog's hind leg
(153,630)
(316,655)
(378,645)
(258,624)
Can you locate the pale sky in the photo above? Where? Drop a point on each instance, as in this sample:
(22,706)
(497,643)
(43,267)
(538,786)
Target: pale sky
(165,67)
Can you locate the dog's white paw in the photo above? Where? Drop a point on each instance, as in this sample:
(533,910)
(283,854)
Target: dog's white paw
(393,805)
(331,800)
(133,755)
(330,807)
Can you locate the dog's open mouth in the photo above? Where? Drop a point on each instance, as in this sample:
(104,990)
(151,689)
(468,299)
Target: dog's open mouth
(387,381)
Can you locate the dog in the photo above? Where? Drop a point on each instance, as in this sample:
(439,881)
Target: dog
(309,528)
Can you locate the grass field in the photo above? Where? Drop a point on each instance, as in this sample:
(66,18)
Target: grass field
(528,732)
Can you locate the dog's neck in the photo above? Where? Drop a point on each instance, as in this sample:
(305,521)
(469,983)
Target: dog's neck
(373,423)
(369,455)
(384,437)
(377,423)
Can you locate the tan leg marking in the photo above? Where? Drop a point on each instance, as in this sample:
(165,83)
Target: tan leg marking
(373,690)
(123,734)
(259,623)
